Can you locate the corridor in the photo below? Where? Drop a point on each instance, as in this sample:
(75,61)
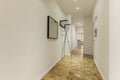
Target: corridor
(59,40)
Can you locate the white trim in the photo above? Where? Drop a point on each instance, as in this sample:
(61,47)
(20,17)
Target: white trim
(41,76)
(99,70)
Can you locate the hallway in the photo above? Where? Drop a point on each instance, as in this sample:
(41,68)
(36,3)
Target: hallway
(38,37)
(75,68)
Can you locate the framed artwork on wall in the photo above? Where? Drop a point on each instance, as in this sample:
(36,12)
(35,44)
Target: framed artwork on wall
(52,28)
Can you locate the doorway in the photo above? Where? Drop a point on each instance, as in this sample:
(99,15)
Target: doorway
(80,38)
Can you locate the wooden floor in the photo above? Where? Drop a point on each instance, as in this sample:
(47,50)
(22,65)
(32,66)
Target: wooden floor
(75,68)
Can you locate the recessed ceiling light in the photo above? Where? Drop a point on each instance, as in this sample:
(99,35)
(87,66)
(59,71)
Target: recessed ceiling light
(79,24)
(75,0)
(77,8)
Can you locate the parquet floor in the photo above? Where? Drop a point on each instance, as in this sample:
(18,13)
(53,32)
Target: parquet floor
(75,68)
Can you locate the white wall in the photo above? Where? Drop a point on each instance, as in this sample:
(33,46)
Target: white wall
(25,52)
(88,36)
(74,38)
(114,40)
(101,44)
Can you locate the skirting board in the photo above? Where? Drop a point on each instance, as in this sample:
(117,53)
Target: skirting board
(41,76)
(99,70)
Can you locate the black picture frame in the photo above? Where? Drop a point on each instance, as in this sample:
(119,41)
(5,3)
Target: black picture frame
(52,28)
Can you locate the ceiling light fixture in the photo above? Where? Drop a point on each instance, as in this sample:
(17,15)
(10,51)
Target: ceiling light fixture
(79,23)
(77,8)
(75,0)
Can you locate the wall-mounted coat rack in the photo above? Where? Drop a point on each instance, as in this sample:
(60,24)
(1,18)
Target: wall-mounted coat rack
(64,24)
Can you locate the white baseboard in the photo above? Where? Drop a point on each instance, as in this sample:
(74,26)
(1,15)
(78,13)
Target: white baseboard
(99,70)
(41,76)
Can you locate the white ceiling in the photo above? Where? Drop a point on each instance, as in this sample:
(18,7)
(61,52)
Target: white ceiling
(86,7)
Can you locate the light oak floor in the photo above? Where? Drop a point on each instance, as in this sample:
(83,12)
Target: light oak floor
(75,68)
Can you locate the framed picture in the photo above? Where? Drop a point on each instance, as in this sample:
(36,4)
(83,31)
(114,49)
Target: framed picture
(52,28)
